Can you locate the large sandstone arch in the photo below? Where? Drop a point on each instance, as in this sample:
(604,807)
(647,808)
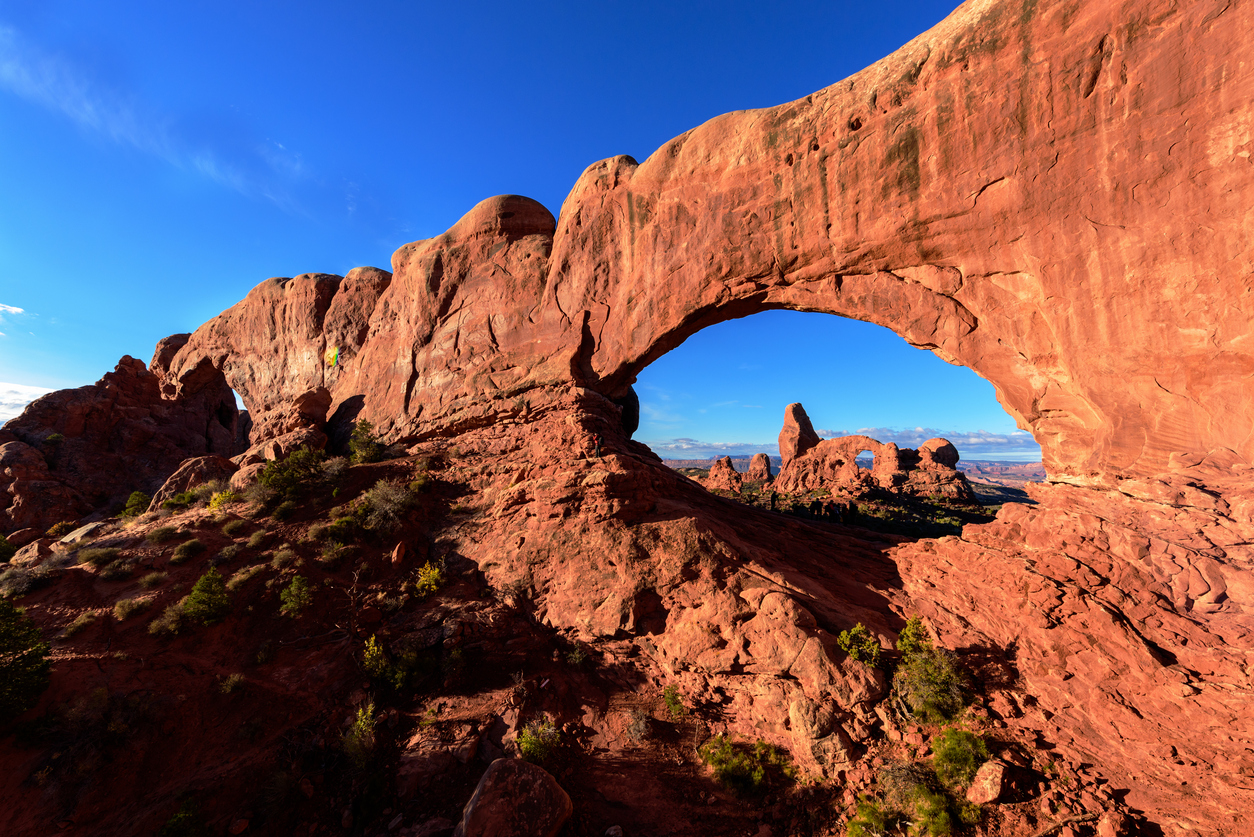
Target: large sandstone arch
(1051,194)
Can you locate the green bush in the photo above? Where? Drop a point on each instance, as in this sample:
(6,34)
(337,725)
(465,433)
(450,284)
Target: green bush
(118,570)
(222,499)
(230,683)
(359,742)
(124,609)
(674,703)
(284,511)
(258,539)
(24,667)
(342,529)
(185,552)
(136,504)
(746,769)
(291,477)
(870,819)
(226,553)
(7,550)
(913,638)
(234,528)
(186,822)
(282,557)
(334,470)
(162,534)
(243,575)
(539,740)
(179,501)
(363,446)
(296,596)
(170,621)
(152,580)
(209,601)
(931,685)
(60,530)
(97,557)
(913,792)
(958,755)
(83,620)
(428,579)
(860,645)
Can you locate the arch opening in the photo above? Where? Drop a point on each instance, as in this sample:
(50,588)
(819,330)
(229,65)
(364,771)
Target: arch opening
(882,411)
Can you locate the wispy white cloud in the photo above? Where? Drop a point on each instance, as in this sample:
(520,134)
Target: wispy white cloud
(696,449)
(15,397)
(57,84)
(10,309)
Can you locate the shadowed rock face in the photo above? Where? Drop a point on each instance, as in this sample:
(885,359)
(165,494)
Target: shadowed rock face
(1053,194)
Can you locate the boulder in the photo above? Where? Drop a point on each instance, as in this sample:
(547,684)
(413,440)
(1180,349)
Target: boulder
(193,472)
(22,537)
(515,799)
(990,783)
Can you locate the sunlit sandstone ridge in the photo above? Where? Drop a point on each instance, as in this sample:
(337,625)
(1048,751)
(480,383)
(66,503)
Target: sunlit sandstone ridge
(1053,194)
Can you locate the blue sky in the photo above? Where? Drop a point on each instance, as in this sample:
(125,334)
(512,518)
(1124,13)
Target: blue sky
(159,159)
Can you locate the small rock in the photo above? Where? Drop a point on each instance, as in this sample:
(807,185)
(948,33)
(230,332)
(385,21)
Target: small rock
(614,831)
(515,799)
(398,555)
(82,533)
(1114,824)
(239,826)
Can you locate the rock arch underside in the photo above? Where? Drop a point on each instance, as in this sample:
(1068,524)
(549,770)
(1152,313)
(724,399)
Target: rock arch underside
(1053,194)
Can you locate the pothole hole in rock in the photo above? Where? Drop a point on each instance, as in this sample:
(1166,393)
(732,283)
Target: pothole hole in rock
(867,445)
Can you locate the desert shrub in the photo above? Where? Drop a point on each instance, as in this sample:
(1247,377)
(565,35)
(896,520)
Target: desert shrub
(204,492)
(913,638)
(24,664)
(931,685)
(869,819)
(60,530)
(152,580)
(746,769)
(186,822)
(860,645)
(316,532)
(162,534)
(230,683)
(342,529)
(913,792)
(242,576)
(674,702)
(363,445)
(577,656)
(97,557)
(419,484)
(383,506)
(118,570)
(359,739)
(136,504)
(296,596)
(226,553)
(222,499)
(333,553)
(428,579)
(539,740)
(334,470)
(209,601)
(258,539)
(234,528)
(282,557)
(958,755)
(179,501)
(82,621)
(170,621)
(259,494)
(284,510)
(7,550)
(124,609)
(18,581)
(640,727)
(185,552)
(291,477)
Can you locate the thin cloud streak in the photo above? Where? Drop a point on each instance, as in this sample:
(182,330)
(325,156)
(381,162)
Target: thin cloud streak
(979,445)
(54,83)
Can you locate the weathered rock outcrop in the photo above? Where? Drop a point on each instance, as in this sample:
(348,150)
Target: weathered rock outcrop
(798,434)
(831,464)
(78,449)
(759,468)
(1053,194)
(723,474)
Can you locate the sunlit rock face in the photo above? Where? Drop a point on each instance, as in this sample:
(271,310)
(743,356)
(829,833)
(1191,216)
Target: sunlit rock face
(1053,194)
